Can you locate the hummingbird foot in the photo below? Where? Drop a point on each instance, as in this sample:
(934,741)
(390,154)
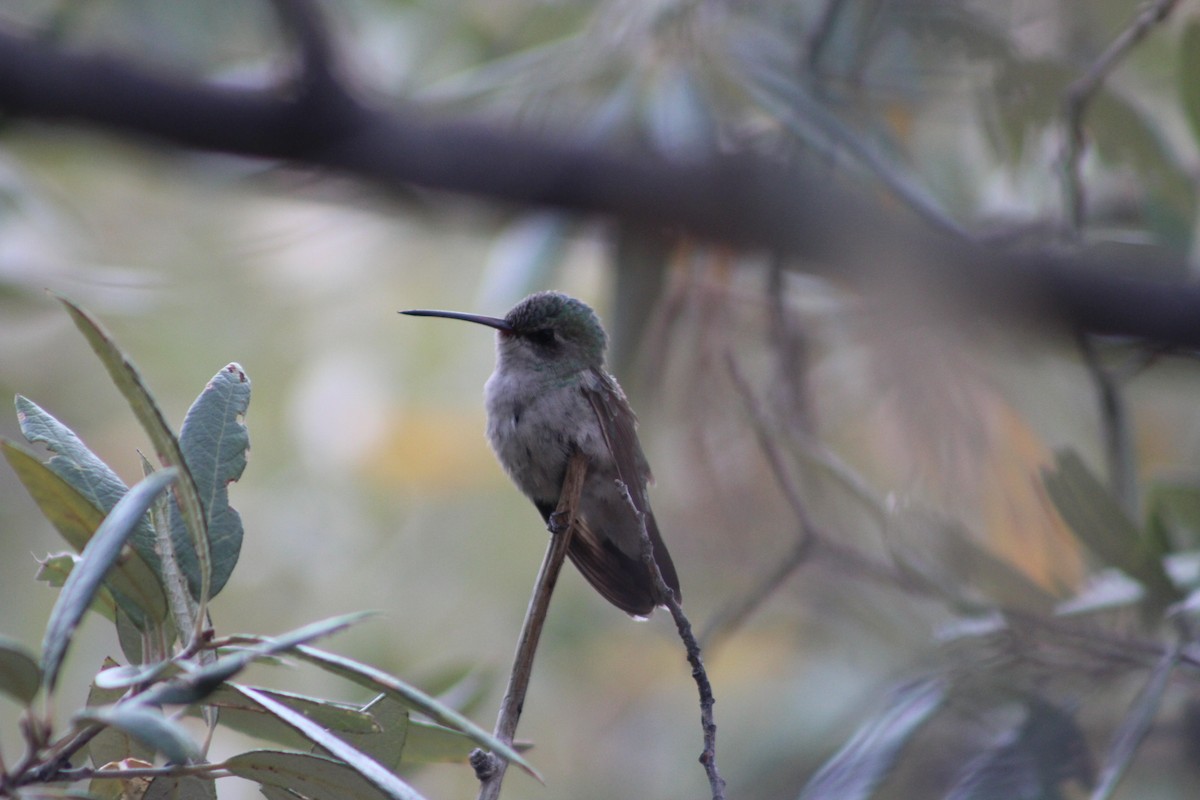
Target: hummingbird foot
(558,522)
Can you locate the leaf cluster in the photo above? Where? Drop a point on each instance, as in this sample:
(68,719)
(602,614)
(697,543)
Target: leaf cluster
(149,558)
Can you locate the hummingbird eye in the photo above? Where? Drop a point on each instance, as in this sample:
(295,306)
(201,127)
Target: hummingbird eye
(543,337)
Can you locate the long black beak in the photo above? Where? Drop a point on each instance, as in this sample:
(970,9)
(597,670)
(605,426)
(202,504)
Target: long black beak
(491,322)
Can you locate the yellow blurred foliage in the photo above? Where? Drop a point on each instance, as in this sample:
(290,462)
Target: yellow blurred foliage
(949,438)
(433,449)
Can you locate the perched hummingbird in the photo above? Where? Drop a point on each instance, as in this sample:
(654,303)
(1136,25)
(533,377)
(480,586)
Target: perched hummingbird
(549,396)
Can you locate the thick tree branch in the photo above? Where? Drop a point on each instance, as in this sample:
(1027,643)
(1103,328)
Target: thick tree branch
(746,200)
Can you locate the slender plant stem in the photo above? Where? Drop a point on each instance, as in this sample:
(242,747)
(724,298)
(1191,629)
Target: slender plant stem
(708,757)
(173,771)
(489,767)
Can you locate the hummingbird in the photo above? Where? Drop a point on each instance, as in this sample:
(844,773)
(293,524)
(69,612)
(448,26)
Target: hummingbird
(551,396)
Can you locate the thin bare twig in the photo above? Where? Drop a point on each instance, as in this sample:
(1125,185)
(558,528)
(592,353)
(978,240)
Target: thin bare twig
(810,538)
(708,757)
(1079,95)
(732,616)
(172,771)
(489,767)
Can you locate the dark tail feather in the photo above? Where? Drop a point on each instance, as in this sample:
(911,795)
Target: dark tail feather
(623,581)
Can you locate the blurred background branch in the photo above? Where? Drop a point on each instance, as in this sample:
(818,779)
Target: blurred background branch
(744,199)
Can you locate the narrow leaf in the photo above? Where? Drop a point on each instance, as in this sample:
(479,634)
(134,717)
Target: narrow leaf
(131,639)
(860,766)
(375,773)
(127,379)
(1101,524)
(242,714)
(118,678)
(148,726)
(311,776)
(197,685)
(134,584)
(96,559)
(415,699)
(214,444)
(20,675)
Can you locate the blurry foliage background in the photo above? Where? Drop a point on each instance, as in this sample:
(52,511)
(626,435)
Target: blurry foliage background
(370,484)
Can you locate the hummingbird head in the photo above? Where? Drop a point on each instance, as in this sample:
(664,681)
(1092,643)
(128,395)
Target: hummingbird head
(546,332)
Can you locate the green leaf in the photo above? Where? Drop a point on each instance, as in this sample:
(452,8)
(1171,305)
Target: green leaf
(1097,519)
(129,637)
(85,579)
(214,444)
(189,787)
(311,776)
(240,713)
(386,745)
(858,768)
(120,678)
(1173,513)
(127,379)
(413,698)
(54,570)
(82,469)
(147,726)
(20,675)
(133,584)
(112,744)
(375,773)
(195,686)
